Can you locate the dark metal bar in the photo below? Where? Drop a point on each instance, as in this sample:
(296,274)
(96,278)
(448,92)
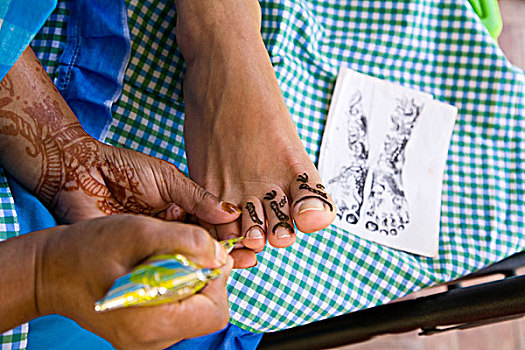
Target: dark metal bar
(491,300)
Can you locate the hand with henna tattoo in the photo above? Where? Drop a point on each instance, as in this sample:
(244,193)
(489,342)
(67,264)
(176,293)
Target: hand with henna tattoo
(78,177)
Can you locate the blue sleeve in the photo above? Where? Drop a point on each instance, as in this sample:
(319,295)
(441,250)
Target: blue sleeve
(20,20)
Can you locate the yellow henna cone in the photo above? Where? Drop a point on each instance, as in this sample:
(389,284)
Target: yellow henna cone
(161,279)
(229,244)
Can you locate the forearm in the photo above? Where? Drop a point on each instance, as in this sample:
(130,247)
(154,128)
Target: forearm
(35,126)
(18,258)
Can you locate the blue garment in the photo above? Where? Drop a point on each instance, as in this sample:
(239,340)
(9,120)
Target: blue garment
(90,78)
(20,20)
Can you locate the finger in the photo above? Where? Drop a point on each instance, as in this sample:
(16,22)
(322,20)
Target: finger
(172,213)
(201,314)
(196,200)
(211,304)
(158,237)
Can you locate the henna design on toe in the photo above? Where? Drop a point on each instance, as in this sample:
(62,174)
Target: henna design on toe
(253,213)
(320,186)
(283,224)
(302,178)
(388,208)
(276,208)
(316,191)
(280,215)
(270,195)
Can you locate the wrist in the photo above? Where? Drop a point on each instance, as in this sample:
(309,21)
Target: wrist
(19,258)
(47,280)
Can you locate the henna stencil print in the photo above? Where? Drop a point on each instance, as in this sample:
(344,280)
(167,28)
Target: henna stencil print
(348,186)
(387,209)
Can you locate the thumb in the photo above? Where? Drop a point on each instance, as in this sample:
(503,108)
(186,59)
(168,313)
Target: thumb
(196,201)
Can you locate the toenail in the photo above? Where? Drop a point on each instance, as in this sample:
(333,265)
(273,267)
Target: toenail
(282,232)
(230,208)
(254,233)
(310,204)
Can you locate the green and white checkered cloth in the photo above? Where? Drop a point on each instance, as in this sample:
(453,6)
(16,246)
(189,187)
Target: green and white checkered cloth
(439,47)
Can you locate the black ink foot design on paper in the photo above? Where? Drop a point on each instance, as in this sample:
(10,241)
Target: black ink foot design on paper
(348,185)
(387,210)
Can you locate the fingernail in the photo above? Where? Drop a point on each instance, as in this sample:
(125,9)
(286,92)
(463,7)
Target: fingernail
(220,254)
(310,204)
(230,208)
(255,233)
(282,232)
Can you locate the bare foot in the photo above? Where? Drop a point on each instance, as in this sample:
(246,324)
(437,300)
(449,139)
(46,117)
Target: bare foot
(241,143)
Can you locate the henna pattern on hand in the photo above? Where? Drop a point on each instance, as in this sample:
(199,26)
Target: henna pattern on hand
(70,158)
(283,202)
(320,186)
(316,197)
(7,84)
(253,213)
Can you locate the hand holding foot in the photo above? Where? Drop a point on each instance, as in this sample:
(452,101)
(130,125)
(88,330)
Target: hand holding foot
(78,177)
(241,143)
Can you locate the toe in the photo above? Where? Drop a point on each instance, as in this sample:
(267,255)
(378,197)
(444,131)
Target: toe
(313,209)
(228,231)
(280,228)
(242,257)
(253,224)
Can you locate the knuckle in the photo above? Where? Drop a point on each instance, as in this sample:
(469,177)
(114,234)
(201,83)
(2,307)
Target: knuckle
(199,195)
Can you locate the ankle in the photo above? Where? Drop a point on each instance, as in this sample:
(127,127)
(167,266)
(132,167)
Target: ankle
(210,25)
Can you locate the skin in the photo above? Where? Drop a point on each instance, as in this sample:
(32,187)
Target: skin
(78,177)
(252,148)
(67,268)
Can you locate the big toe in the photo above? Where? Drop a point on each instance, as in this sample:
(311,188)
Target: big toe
(313,208)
